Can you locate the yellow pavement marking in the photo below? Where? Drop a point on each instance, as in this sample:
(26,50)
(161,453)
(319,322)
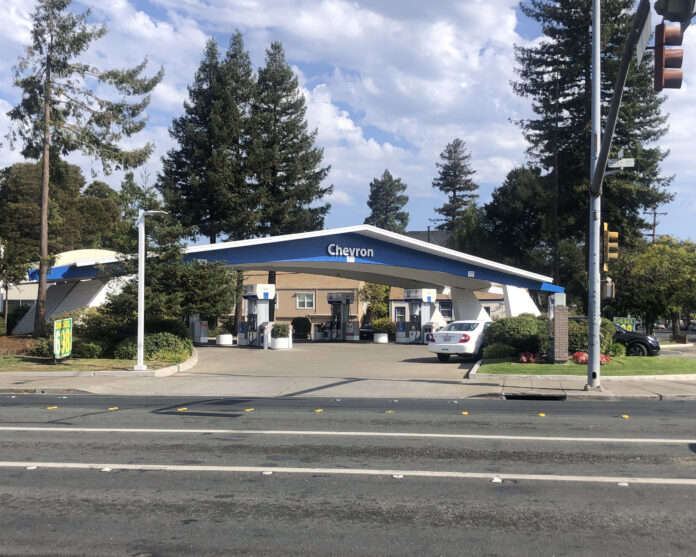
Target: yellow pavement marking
(624,416)
(542,415)
(51,407)
(114,408)
(182,409)
(319,410)
(248,409)
(465,413)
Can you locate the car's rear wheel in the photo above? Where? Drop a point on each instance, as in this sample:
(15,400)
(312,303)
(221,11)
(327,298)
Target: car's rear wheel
(443,357)
(637,349)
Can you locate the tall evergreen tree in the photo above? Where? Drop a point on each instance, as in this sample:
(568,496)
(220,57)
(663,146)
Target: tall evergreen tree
(60,113)
(204,180)
(454,179)
(555,74)
(286,164)
(386,203)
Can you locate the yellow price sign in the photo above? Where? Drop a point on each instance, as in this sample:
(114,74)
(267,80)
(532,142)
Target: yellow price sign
(626,323)
(62,338)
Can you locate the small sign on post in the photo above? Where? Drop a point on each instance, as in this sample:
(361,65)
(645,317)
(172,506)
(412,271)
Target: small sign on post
(62,338)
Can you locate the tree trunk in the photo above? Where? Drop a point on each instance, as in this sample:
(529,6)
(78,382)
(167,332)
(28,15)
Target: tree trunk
(40,314)
(239,303)
(271,309)
(676,331)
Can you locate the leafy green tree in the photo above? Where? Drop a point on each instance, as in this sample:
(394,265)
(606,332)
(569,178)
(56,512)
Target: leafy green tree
(657,280)
(454,179)
(14,264)
(204,179)
(555,74)
(386,203)
(286,165)
(99,216)
(377,297)
(60,113)
(470,235)
(516,218)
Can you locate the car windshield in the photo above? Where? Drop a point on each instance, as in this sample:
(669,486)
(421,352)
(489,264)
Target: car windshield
(461,326)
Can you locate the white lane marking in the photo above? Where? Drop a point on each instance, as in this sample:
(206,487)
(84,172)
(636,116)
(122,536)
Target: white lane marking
(650,440)
(352,472)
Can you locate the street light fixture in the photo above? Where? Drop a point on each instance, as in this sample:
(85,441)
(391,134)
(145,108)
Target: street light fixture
(140,366)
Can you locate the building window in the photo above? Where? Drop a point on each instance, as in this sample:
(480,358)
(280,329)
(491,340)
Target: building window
(305,300)
(400,314)
(446,309)
(488,309)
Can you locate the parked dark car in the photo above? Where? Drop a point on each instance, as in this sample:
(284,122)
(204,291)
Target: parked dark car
(367,333)
(637,344)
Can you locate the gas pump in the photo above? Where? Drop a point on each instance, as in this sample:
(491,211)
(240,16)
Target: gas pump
(340,313)
(420,302)
(259,298)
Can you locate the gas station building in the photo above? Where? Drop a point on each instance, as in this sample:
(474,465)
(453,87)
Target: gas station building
(320,274)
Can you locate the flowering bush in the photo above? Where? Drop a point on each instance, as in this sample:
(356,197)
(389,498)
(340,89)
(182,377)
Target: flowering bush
(529,358)
(581,358)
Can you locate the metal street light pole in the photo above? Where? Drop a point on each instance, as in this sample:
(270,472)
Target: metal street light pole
(595,210)
(140,366)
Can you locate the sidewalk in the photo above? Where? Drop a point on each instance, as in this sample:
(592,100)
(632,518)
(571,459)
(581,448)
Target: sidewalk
(348,371)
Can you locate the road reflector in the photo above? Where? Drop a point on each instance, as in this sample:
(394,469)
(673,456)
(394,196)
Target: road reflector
(319,410)
(622,484)
(105,470)
(266,473)
(465,413)
(32,467)
(624,416)
(397,476)
(51,407)
(182,409)
(389,411)
(542,415)
(496,480)
(248,409)
(114,408)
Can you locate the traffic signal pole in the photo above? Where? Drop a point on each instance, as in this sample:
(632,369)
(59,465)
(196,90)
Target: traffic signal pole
(598,165)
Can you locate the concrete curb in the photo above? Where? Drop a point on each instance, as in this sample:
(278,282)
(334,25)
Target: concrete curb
(474,370)
(682,377)
(161,372)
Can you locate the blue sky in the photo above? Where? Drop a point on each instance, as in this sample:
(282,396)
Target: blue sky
(388,84)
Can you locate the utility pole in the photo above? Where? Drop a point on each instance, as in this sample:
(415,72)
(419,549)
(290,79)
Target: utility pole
(598,164)
(594,301)
(654,214)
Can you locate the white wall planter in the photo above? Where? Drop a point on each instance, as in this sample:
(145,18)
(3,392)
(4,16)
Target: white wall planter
(282,343)
(224,340)
(381,338)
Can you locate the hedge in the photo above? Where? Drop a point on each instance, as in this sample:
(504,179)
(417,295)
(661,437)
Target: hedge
(163,347)
(525,333)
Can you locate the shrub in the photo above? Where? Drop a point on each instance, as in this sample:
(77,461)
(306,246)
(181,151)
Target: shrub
(616,350)
(498,350)
(301,327)
(84,349)
(384,325)
(43,348)
(280,330)
(577,336)
(174,326)
(164,347)
(525,333)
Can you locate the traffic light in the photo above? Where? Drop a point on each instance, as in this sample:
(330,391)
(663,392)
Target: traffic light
(666,59)
(676,10)
(611,245)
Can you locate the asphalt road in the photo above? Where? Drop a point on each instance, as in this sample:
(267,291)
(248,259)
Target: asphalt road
(96,475)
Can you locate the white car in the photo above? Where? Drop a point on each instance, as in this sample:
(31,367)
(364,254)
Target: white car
(462,338)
